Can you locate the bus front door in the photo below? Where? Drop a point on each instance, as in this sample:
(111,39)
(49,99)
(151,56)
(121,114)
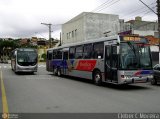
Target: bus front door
(111,63)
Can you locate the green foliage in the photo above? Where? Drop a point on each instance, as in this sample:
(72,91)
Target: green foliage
(44,56)
(7,43)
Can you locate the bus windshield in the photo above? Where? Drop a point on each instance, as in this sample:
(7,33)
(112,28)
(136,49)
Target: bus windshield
(134,56)
(26,58)
(144,55)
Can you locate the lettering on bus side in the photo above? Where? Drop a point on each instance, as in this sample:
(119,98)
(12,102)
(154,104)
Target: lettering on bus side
(86,65)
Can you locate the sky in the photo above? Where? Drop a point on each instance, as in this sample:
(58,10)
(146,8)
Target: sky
(23,18)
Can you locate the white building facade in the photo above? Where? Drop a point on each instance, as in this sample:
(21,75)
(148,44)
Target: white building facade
(87,26)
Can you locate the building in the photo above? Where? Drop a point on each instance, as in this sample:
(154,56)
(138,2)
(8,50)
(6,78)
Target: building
(88,26)
(137,26)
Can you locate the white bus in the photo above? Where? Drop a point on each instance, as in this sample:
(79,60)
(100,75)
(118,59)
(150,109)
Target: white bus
(114,59)
(24,60)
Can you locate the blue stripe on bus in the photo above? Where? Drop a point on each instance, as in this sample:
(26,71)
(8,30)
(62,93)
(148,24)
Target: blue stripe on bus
(59,63)
(146,72)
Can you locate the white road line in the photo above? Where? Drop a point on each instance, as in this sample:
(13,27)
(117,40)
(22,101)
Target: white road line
(7,67)
(41,66)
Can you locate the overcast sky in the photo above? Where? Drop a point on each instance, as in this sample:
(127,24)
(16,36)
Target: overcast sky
(23,18)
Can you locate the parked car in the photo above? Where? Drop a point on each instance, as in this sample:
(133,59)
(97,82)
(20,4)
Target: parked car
(156,74)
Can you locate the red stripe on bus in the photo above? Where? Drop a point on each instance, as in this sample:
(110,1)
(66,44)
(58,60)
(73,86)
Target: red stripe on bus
(86,65)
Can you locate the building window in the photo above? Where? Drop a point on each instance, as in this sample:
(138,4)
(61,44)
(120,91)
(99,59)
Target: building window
(72,34)
(67,36)
(75,33)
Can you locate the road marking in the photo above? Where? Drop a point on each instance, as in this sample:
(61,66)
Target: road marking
(8,67)
(41,65)
(4,98)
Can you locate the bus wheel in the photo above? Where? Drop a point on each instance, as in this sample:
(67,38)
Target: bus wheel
(54,72)
(97,78)
(153,81)
(59,72)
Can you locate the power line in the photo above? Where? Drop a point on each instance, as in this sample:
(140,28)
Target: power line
(103,4)
(137,11)
(148,12)
(114,2)
(148,7)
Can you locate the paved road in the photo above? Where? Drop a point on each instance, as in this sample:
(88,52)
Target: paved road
(43,92)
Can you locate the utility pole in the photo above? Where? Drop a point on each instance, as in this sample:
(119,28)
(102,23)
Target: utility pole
(49,26)
(158,14)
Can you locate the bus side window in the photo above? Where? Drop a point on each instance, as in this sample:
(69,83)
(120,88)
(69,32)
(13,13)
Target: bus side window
(49,55)
(98,50)
(88,49)
(72,53)
(65,55)
(59,54)
(54,54)
(79,52)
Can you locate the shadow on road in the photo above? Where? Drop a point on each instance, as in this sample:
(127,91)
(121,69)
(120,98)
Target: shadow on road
(25,73)
(126,87)
(108,85)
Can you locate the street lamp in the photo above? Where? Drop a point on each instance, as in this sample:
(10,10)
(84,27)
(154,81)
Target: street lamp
(49,26)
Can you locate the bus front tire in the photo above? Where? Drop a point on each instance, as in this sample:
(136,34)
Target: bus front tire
(97,78)
(154,81)
(54,72)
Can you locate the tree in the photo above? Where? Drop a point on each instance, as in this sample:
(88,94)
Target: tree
(44,56)
(6,47)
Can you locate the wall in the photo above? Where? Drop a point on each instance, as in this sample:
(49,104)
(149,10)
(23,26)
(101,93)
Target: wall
(89,26)
(97,24)
(143,33)
(74,25)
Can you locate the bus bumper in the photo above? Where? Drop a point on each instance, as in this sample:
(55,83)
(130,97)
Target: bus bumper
(130,80)
(26,69)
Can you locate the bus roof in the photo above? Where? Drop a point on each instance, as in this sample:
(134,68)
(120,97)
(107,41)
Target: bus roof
(120,38)
(87,42)
(24,49)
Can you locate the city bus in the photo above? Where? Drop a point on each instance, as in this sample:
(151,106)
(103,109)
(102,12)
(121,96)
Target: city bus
(24,60)
(115,59)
